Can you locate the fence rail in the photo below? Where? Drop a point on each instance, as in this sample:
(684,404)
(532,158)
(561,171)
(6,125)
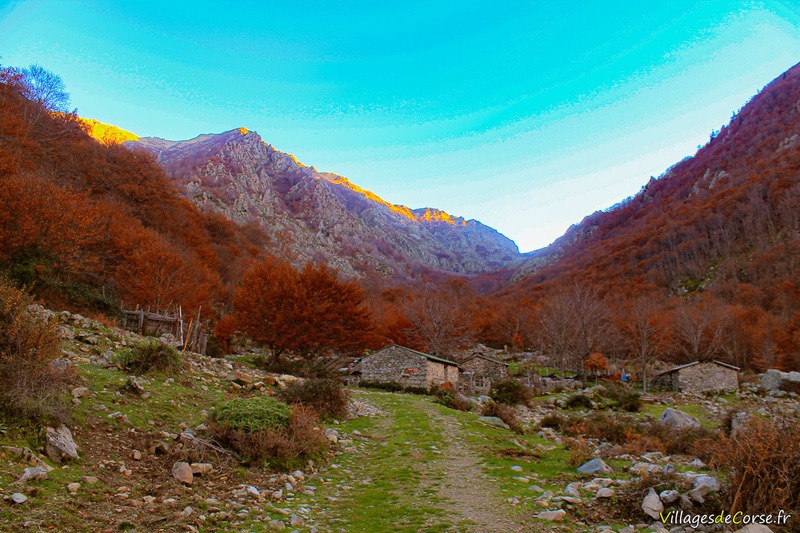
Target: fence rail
(190,334)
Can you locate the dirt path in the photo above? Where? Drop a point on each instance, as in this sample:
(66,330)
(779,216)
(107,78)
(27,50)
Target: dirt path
(466,489)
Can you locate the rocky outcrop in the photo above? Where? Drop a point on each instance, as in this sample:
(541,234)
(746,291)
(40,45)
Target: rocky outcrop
(323,216)
(774,380)
(676,419)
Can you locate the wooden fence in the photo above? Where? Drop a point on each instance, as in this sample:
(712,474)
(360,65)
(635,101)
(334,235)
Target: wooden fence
(189,333)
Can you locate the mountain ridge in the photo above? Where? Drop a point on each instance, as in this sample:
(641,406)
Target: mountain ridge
(322,215)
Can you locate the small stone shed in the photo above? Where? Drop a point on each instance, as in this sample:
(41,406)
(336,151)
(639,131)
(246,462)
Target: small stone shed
(485,366)
(699,376)
(409,368)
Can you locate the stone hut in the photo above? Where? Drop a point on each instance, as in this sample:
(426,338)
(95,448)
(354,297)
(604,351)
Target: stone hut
(699,376)
(407,367)
(485,366)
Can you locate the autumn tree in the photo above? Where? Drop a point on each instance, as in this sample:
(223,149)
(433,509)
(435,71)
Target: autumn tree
(595,364)
(698,326)
(308,312)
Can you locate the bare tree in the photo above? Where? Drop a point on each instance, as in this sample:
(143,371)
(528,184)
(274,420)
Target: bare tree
(643,333)
(698,328)
(45,88)
(439,319)
(572,325)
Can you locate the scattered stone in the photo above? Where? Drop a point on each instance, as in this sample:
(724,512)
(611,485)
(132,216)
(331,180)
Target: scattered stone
(595,466)
(149,500)
(652,505)
(669,496)
(573,489)
(60,444)
(675,419)
(182,471)
(73,487)
(89,480)
(187,512)
(516,468)
(553,516)
(202,469)
(18,498)
(79,392)
(604,493)
(276,525)
(134,385)
(332,435)
(493,421)
(755,528)
(32,474)
(296,520)
(137,455)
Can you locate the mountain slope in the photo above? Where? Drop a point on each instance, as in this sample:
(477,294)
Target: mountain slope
(323,216)
(727,216)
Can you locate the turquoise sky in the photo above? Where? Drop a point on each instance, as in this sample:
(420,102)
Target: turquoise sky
(524,115)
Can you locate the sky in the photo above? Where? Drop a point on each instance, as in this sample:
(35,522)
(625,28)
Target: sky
(524,115)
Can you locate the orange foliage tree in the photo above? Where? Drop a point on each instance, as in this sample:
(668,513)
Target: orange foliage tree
(308,312)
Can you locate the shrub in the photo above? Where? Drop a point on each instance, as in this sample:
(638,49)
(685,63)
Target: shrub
(262,428)
(623,398)
(325,396)
(153,356)
(690,441)
(506,413)
(451,399)
(391,386)
(578,401)
(31,386)
(553,421)
(510,392)
(609,428)
(251,415)
(580,451)
(761,460)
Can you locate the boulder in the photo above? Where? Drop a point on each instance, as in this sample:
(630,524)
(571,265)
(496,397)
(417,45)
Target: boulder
(604,493)
(202,469)
(553,516)
(493,421)
(669,496)
(79,392)
(18,498)
(774,380)
(675,419)
(32,474)
(652,505)
(595,466)
(182,471)
(60,444)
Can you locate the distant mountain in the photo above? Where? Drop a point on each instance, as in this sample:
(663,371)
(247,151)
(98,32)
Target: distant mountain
(726,217)
(315,215)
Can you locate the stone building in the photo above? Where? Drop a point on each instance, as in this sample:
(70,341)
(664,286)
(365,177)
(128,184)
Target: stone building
(485,366)
(699,377)
(407,367)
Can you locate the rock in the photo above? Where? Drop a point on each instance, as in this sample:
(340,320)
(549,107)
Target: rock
(739,421)
(73,487)
(516,468)
(18,498)
(182,471)
(60,445)
(604,493)
(32,474)
(202,469)
(697,463)
(652,505)
(595,466)
(675,419)
(137,455)
(187,512)
(572,489)
(493,421)
(332,435)
(296,521)
(643,469)
(148,500)
(79,392)
(276,525)
(669,496)
(553,516)
(89,480)
(772,379)
(134,385)
(755,528)
(706,484)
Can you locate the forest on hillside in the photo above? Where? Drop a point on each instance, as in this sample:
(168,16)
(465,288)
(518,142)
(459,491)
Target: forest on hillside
(701,264)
